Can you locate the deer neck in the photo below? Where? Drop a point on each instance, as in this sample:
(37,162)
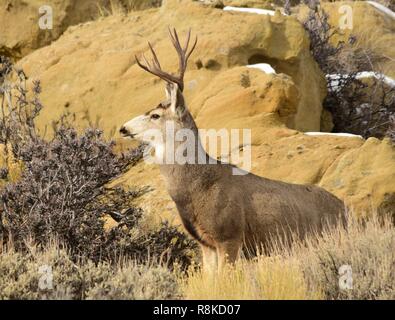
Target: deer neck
(194,171)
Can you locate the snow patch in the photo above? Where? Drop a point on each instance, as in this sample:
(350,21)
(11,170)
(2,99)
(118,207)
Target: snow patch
(335,82)
(350,135)
(379,76)
(250,10)
(382,8)
(265,67)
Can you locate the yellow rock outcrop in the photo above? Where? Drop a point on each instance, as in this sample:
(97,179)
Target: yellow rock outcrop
(365,177)
(373,29)
(90,71)
(19,22)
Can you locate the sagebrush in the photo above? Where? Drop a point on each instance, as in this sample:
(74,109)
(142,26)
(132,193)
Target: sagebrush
(359,98)
(310,269)
(63,188)
(21,277)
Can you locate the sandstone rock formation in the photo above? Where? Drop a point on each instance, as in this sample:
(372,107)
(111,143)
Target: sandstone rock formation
(95,61)
(19,23)
(90,71)
(19,20)
(374,30)
(365,177)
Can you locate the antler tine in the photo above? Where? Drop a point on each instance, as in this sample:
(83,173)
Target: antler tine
(176,42)
(154,55)
(187,41)
(193,47)
(155,68)
(141,65)
(147,62)
(183,53)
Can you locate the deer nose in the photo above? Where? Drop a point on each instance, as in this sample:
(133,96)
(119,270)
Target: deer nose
(123,130)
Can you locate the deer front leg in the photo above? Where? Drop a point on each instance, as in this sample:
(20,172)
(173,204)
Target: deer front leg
(227,253)
(210,260)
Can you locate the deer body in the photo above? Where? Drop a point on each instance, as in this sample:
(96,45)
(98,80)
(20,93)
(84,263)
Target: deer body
(226,212)
(222,211)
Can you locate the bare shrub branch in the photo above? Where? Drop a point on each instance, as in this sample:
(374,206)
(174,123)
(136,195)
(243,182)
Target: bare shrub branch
(63,190)
(358,106)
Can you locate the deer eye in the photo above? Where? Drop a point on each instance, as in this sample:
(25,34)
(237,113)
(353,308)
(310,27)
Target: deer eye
(155,116)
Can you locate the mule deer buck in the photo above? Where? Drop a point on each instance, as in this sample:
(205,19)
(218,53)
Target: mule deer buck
(222,211)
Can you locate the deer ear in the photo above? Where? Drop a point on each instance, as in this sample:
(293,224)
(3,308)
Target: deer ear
(177,104)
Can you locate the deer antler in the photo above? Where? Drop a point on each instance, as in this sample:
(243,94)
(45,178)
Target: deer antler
(154,67)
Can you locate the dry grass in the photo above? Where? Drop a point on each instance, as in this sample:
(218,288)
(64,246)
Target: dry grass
(367,246)
(20,277)
(268,278)
(309,270)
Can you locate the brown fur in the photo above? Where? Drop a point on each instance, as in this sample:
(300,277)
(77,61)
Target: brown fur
(226,212)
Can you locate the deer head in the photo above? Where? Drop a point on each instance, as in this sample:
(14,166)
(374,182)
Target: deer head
(173,109)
